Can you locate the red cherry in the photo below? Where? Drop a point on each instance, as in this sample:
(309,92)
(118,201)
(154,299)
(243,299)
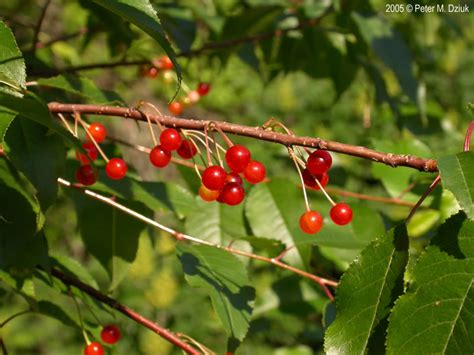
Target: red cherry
(310,180)
(116,169)
(208,195)
(94,348)
(110,334)
(187,149)
(319,162)
(233,177)
(254,172)
(97,131)
(170,139)
(91,151)
(214,177)
(232,194)
(85,175)
(160,157)
(152,72)
(164,62)
(311,222)
(176,108)
(237,158)
(341,214)
(203,88)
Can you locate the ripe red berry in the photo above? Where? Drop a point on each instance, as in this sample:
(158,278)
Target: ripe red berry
(237,158)
(214,177)
(233,177)
(208,195)
(151,72)
(116,169)
(110,334)
(97,131)
(311,222)
(341,214)
(203,88)
(232,194)
(85,175)
(164,62)
(310,180)
(170,139)
(319,162)
(254,172)
(91,151)
(187,149)
(160,157)
(176,108)
(94,348)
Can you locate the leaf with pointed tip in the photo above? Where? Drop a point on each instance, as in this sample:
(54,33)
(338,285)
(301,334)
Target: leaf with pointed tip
(6,118)
(225,279)
(366,293)
(457,175)
(12,64)
(142,14)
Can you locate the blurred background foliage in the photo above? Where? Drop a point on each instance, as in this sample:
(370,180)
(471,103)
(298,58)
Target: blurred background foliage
(395,82)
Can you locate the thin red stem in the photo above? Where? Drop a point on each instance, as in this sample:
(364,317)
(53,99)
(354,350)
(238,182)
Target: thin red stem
(467,140)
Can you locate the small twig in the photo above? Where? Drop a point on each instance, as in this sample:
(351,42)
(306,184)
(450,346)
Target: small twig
(99,296)
(38,26)
(393,160)
(12,317)
(62,38)
(181,236)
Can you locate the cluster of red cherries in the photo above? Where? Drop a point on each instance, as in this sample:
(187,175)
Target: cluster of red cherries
(217,184)
(315,176)
(163,66)
(115,168)
(110,334)
(227,187)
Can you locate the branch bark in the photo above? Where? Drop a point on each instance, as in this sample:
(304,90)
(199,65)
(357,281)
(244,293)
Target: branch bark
(99,296)
(394,160)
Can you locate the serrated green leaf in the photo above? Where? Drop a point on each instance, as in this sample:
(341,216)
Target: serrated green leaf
(39,154)
(273,211)
(366,293)
(460,247)
(6,118)
(110,235)
(82,87)
(436,315)
(12,65)
(71,266)
(225,279)
(142,14)
(457,175)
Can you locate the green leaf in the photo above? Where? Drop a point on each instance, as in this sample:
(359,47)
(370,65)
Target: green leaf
(457,175)
(436,315)
(366,293)
(273,211)
(39,154)
(215,222)
(389,45)
(12,65)
(110,235)
(225,279)
(396,180)
(82,87)
(73,267)
(6,118)
(142,14)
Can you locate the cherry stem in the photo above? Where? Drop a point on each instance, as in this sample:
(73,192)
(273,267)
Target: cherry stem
(99,296)
(13,316)
(153,138)
(305,195)
(79,314)
(423,197)
(272,123)
(99,149)
(66,124)
(217,150)
(181,236)
(224,136)
(208,151)
(321,187)
(89,308)
(160,126)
